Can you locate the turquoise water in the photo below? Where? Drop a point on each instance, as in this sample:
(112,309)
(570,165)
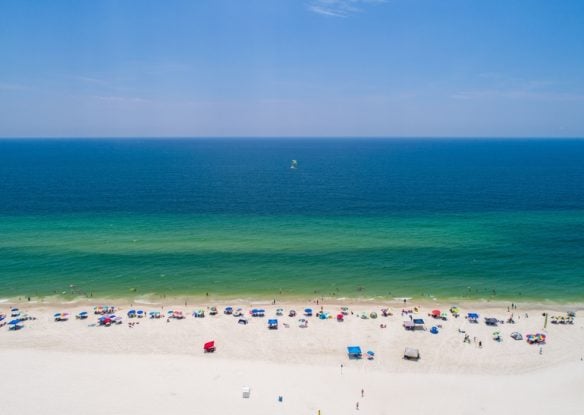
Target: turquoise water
(356,219)
(445,256)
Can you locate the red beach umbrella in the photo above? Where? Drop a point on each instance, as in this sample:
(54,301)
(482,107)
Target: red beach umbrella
(209,346)
(436,313)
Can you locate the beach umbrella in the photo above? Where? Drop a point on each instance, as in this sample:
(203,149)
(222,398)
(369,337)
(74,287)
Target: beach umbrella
(57,315)
(435,313)
(13,322)
(371,353)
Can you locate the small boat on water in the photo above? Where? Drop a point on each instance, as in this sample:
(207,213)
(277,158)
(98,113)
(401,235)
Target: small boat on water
(294,164)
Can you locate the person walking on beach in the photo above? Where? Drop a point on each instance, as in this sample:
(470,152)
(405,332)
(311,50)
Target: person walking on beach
(357,406)
(362,393)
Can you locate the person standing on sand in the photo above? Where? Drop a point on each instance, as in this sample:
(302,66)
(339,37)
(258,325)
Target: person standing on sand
(357,406)
(362,393)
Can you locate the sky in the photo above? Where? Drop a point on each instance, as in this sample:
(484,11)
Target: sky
(292,68)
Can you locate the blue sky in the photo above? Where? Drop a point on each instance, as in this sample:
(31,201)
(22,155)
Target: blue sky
(460,68)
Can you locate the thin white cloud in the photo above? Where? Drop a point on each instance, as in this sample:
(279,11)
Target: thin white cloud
(121,99)
(92,80)
(339,8)
(501,86)
(516,94)
(13,87)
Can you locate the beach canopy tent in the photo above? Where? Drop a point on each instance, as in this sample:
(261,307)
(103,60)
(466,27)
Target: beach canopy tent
(140,313)
(2,317)
(434,330)
(418,324)
(209,347)
(61,316)
(245,392)
(272,323)
(411,354)
(354,352)
(435,313)
(228,310)
(409,325)
(82,315)
(308,311)
(15,325)
(370,354)
(258,312)
(472,317)
(516,336)
(491,321)
(242,321)
(302,323)
(132,313)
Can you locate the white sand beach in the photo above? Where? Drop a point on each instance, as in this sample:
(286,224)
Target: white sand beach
(158,367)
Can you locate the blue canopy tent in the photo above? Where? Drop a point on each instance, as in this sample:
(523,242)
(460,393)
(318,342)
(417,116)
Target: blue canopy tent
(273,323)
(308,312)
(472,317)
(354,352)
(15,325)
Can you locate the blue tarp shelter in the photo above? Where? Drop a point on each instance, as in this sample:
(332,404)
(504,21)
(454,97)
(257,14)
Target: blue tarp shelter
(473,317)
(354,352)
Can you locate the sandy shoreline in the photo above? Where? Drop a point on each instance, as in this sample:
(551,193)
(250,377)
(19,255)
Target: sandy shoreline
(166,363)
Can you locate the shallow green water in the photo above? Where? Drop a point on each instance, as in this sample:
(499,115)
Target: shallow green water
(498,255)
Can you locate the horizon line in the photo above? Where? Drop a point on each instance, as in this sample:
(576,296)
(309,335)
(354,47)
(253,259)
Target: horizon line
(304,137)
